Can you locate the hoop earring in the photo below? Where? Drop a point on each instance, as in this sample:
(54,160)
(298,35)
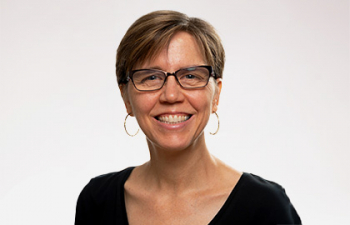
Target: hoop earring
(217,130)
(131,135)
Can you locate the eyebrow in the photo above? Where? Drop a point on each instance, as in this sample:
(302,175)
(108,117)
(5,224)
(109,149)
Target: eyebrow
(154,68)
(159,68)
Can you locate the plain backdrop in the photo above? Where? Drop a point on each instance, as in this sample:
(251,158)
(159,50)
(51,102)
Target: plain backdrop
(284,107)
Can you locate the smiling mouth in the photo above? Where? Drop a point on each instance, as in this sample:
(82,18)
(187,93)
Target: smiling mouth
(173,119)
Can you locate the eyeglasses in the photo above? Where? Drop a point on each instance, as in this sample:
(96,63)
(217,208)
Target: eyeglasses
(188,78)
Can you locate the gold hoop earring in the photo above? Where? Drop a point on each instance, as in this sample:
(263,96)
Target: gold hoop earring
(131,135)
(217,130)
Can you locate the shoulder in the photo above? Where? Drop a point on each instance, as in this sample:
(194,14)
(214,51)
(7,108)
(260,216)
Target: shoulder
(100,197)
(109,180)
(105,186)
(267,200)
(258,186)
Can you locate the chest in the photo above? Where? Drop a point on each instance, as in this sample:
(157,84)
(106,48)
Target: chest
(173,210)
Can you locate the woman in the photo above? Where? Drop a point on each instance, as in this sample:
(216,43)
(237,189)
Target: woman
(169,69)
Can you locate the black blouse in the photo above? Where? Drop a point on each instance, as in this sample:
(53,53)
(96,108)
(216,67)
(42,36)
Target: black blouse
(254,200)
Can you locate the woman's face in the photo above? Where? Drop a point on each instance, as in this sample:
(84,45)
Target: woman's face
(191,107)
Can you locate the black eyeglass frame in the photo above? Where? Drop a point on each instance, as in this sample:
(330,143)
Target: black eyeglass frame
(167,74)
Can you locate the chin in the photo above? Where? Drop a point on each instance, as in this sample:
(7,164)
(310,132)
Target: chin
(173,144)
(170,146)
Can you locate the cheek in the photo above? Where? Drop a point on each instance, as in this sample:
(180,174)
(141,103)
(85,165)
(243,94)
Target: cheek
(202,100)
(211,94)
(142,104)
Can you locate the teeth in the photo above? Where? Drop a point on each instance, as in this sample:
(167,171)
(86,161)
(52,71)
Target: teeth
(173,119)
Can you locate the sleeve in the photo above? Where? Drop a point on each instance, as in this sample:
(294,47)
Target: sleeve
(272,203)
(281,209)
(87,210)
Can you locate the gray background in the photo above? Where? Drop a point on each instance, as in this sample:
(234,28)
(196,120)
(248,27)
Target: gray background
(284,107)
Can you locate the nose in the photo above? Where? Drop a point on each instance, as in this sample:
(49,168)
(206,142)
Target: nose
(171,91)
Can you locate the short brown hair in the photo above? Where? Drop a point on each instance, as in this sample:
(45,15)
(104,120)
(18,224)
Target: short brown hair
(148,35)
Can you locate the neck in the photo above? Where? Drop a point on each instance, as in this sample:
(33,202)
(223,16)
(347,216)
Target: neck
(181,169)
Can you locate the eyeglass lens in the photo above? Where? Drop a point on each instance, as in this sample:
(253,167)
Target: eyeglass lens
(193,77)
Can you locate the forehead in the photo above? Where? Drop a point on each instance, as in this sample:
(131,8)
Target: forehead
(182,50)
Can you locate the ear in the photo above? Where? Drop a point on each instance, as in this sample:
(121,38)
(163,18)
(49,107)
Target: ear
(217,95)
(123,92)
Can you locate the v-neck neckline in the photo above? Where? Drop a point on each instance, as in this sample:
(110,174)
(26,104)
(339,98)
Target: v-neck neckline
(215,219)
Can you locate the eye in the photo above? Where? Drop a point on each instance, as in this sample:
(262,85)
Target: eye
(190,76)
(152,77)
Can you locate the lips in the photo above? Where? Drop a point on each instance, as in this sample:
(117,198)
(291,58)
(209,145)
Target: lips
(173,119)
